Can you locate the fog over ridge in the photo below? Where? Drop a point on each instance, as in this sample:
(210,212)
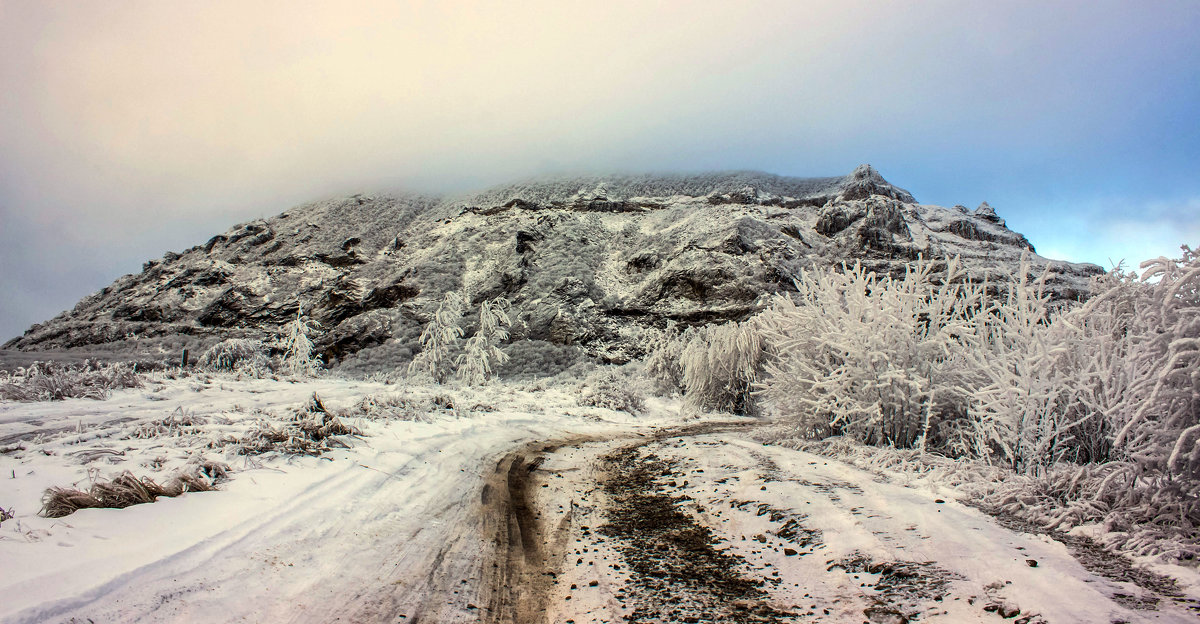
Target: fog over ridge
(132,128)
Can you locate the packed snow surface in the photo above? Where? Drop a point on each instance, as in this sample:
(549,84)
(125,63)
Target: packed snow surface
(383,523)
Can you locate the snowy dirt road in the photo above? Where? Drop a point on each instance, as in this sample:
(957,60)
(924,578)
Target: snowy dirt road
(533,510)
(705,525)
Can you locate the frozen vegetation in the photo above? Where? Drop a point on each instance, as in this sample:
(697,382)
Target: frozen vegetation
(1079,416)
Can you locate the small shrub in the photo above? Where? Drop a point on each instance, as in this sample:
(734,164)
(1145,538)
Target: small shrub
(664,358)
(236,354)
(5,514)
(720,364)
(400,406)
(311,431)
(612,389)
(445,402)
(179,422)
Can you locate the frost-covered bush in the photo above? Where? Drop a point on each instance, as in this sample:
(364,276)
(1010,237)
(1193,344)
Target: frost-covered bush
(539,358)
(613,388)
(1030,379)
(440,339)
(719,365)
(664,358)
(860,354)
(1092,413)
(236,354)
(482,353)
(297,348)
(1151,334)
(927,360)
(52,381)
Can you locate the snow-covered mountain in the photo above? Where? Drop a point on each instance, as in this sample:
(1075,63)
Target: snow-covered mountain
(590,262)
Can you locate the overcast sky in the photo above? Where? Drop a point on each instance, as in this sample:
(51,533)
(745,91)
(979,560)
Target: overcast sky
(131,128)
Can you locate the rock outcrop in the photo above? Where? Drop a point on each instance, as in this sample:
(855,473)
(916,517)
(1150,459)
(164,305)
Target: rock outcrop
(584,261)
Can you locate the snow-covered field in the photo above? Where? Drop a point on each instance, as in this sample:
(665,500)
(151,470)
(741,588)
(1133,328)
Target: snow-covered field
(606,515)
(308,538)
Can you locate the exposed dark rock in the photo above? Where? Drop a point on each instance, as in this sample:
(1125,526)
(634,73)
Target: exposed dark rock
(967,229)
(340,261)
(255,234)
(230,309)
(341,301)
(833,220)
(390,295)
(213,242)
(523,240)
(144,313)
(241,307)
(645,261)
(865,182)
(353,334)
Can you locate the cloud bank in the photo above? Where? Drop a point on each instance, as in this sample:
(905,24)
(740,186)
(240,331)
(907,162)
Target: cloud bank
(131,128)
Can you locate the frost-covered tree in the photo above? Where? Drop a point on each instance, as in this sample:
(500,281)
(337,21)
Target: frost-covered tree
(439,338)
(482,354)
(720,365)
(297,346)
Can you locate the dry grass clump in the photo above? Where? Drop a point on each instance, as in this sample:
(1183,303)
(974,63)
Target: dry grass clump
(1145,512)
(401,406)
(5,514)
(53,381)
(179,422)
(124,491)
(312,431)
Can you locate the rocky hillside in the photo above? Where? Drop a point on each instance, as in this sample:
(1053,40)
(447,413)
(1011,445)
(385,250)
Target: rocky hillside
(589,262)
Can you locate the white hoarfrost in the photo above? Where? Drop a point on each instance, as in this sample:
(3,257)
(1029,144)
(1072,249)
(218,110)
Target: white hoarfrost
(367,530)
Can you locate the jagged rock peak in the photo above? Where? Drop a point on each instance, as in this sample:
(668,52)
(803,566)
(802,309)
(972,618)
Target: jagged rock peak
(985,211)
(865,181)
(862,182)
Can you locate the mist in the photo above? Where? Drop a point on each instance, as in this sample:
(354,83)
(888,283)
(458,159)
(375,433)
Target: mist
(134,128)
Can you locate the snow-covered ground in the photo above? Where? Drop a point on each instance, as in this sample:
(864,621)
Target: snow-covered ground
(517,499)
(830,543)
(347,534)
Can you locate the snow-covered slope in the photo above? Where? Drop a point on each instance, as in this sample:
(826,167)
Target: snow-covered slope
(585,261)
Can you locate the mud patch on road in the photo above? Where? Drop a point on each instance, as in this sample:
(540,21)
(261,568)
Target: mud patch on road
(527,546)
(906,588)
(677,573)
(801,539)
